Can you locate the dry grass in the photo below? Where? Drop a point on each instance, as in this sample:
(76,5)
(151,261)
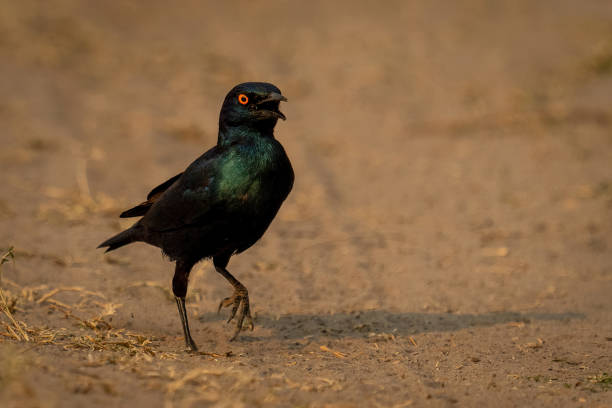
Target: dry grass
(74,206)
(100,335)
(14,328)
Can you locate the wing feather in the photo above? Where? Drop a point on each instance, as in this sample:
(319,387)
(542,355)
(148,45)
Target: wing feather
(142,208)
(190,200)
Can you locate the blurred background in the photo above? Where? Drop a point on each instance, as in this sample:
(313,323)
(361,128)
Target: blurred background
(451,159)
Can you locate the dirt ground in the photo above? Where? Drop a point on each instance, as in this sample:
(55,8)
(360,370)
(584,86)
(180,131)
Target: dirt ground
(447,242)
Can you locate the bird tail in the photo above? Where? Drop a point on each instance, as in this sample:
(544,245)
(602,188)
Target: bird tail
(123,238)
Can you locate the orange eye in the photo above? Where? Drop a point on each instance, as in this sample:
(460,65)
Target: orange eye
(243,99)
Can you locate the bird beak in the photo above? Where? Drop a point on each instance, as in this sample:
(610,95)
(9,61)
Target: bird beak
(278,114)
(274,98)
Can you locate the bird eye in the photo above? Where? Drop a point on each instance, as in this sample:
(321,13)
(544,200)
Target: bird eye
(243,99)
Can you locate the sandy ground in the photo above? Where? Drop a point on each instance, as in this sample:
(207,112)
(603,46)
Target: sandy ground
(447,243)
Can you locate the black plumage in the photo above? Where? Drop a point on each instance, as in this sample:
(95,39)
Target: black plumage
(223,202)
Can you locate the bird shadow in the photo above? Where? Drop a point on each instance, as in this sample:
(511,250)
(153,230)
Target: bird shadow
(363,323)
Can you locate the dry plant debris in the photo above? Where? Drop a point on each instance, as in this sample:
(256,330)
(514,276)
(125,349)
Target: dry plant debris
(335,353)
(14,327)
(101,335)
(74,206)
(210,385)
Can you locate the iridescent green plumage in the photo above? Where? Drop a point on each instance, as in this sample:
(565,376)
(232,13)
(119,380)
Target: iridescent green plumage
(224,201)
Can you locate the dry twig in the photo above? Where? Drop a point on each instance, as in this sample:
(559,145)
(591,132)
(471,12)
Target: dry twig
(15,328)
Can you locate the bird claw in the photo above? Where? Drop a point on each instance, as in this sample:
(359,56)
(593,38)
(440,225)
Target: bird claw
(239,300)
(191,346)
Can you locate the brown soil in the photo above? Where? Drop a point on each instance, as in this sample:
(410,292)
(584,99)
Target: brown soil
(447,243)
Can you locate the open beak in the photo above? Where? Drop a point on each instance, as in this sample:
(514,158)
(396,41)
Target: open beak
(278,114)
(274,97)
(271,103)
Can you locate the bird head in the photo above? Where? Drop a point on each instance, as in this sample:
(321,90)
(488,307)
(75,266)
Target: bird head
(252,105)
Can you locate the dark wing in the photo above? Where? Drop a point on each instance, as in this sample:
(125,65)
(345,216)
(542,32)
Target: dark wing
(192,200)
(142,208)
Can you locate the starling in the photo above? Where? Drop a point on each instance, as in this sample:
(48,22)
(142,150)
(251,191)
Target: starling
(223,202)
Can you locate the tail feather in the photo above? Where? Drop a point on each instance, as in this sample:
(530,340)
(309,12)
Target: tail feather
(123,238)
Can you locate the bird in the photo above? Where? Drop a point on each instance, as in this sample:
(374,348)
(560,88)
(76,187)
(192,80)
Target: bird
(222,203)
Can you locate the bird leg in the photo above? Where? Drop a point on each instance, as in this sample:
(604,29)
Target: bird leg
(179,287)
(180,303)
(239,302)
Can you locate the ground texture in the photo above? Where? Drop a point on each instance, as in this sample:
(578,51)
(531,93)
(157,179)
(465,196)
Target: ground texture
(447,243)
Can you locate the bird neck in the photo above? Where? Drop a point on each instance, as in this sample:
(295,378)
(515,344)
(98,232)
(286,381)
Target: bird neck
(235,134)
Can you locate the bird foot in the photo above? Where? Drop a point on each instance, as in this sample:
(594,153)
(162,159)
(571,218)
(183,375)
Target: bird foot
(189,343)
(239,300)
(191,346)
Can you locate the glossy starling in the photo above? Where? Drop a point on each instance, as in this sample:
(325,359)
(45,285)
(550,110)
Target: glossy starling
(223,202)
